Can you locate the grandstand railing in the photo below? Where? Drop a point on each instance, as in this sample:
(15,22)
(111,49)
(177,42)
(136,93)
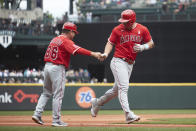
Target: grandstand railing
(143,14)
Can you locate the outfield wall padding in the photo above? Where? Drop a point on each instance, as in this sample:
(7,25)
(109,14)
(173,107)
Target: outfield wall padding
(25,97)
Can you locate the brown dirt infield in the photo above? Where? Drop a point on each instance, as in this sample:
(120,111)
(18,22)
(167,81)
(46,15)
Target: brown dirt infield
(99,121)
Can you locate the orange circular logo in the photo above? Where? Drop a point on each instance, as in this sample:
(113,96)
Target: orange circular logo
(84,96)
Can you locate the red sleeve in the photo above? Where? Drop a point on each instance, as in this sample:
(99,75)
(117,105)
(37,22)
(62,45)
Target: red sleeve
(113,37)
(74,49)
(83,51)
(146,36)
(71,47)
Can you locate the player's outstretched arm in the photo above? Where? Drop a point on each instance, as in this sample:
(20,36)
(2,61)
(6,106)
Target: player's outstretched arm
(108,49)
(97,55)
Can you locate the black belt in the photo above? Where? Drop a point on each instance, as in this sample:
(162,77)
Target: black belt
(129,61)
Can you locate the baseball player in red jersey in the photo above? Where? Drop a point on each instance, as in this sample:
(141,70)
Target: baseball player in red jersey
(129,38)
(57,58)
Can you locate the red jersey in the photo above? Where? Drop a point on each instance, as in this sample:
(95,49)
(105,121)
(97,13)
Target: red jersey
(124,40)
(59,51)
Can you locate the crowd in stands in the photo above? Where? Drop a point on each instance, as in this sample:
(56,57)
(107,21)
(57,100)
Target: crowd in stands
(48,27)
(36,76)
(34,28)
(163,7)
(20,76)
(104,4)
(178,6)
(107,4)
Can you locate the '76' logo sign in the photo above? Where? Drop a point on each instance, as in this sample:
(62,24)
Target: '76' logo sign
(83,96)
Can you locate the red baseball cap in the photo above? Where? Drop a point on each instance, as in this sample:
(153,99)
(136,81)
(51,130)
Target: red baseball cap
(127,15)
(70,26)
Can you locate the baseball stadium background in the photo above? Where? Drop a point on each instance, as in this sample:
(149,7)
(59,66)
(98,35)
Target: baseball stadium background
(162,86)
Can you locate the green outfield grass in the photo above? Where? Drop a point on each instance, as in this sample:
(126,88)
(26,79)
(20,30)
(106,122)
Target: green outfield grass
(175,121)
(103,112)
(93,129)
(187,121)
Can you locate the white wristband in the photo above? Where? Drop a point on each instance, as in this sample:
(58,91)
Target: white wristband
(106,54)
(146,46)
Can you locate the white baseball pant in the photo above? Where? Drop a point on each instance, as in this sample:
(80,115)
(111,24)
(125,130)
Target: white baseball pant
(54,84)
(121,71)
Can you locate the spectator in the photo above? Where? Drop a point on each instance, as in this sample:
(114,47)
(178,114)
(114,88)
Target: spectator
(105,80)
(27,72)
(89,17)
(193,3)
(19,73)
(12,73)
(165,8)
(94,80)
(81,17)
(182,6)
(11,80)
(1,73)
(151,3)
(41,81)
(6,73)
(65,17)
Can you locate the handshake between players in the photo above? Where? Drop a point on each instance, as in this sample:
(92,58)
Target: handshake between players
(108,48)
(99,55)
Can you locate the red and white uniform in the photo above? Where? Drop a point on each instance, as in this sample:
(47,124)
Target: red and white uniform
(124,40)
(60,50)
(57,58)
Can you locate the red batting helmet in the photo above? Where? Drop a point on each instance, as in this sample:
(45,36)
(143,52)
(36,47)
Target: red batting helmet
(70,26)
(127,15)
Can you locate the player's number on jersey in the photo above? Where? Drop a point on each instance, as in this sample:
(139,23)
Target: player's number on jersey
(52,52)
(85,97)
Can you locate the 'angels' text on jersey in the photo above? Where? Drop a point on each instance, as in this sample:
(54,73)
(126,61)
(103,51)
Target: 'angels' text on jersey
(128,38)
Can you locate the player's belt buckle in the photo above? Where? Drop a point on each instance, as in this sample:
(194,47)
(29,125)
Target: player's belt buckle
(129,61)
